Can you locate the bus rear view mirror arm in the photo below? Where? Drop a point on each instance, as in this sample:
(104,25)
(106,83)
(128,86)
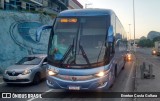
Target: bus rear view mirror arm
(39,31)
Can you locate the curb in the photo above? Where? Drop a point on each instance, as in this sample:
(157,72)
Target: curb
(137,64)
(136,75)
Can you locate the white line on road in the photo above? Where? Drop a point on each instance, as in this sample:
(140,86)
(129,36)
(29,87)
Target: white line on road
(42,94)
(128,79)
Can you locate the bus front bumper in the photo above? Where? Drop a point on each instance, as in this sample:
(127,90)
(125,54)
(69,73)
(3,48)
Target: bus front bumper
(92,84)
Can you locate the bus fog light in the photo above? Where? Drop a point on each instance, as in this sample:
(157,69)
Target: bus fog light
(50,82)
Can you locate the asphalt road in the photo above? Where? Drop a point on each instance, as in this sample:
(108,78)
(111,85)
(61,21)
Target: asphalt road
(123,83)
(145,55)
(147,85)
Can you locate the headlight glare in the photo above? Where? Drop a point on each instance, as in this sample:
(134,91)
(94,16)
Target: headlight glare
(129,55)
(154,51)
(52,73)
(100,74)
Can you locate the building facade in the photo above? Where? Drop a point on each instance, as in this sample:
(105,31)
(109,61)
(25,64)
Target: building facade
(51,6)
(74,4)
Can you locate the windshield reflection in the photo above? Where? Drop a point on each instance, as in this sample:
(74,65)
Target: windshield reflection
(29,61)
(81,42)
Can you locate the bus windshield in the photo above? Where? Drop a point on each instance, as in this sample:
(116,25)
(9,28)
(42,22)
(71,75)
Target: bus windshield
(79,41)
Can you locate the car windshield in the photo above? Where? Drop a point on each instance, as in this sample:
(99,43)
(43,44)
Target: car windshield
(79,41)
(29,61)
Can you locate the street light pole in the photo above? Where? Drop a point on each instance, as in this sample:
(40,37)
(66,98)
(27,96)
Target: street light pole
(134,24)
(87,4)
(129,37)
(129,32)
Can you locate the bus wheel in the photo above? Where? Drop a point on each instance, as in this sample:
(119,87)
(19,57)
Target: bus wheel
(123,65)
(115,71)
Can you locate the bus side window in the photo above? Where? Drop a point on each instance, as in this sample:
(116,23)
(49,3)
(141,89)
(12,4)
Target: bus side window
(111,49)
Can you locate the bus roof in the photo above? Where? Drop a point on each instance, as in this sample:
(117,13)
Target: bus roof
(86,12)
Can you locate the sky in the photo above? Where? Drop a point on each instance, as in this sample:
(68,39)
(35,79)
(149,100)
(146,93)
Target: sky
(147,14)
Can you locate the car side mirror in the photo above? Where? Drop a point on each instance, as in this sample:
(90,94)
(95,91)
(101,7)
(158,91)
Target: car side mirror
(44,63)
(39,31)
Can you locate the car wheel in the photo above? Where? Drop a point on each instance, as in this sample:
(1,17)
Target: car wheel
(36,79)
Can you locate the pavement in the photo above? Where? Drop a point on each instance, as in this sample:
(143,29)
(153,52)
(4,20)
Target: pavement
(1,79)
(147,85)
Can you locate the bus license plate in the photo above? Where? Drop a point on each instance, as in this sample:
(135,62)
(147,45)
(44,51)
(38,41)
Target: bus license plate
(12,78)
(74,88)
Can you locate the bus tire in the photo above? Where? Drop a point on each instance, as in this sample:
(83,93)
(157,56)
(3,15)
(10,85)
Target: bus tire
(123,65)
(115,71)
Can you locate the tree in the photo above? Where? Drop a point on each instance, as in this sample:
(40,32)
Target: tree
(145,43)
(156,39)
(143,37)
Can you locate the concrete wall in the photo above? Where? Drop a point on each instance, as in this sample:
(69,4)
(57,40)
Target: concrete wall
(17,36)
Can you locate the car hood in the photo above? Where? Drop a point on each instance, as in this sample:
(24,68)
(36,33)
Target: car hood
(20,67)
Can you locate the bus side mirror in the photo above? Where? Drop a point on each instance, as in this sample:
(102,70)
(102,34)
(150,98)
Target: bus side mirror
(110,37)
(39,31)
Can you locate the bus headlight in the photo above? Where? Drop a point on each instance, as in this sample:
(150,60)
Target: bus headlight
(129,56)
(100,74)
(51,73)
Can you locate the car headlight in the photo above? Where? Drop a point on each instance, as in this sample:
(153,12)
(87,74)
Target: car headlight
(100,74)
(129,55)
(51,73)
(154,51)
(27,71)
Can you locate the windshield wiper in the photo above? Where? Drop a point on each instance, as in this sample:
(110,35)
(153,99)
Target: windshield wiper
(84,55)
(72,59)
(66,54)
(70,49)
